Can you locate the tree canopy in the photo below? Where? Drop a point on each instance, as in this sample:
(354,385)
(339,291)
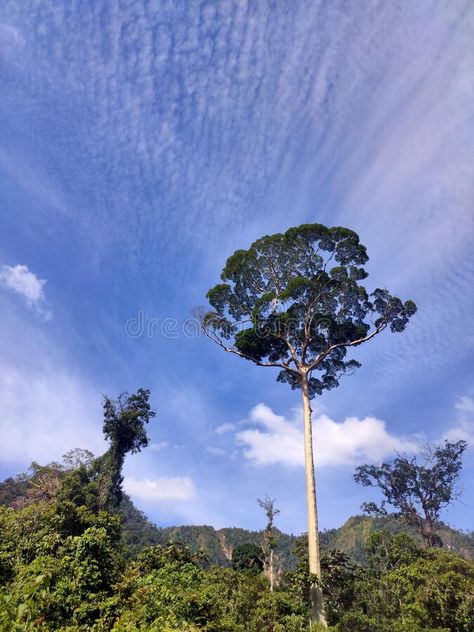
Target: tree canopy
(65,565)
(124,428)
(295,301)
(419,491)
(249,557)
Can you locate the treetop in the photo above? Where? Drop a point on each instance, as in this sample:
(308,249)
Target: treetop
(295,301)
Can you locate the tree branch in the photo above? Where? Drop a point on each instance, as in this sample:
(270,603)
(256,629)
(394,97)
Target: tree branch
(338,345)
(216,339)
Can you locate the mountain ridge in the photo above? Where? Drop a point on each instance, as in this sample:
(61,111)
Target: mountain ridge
(218,544)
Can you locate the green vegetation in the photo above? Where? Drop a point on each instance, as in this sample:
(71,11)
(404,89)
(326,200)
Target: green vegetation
(124,429)
(248,557)
(418,492)
(76,574)
(76,555)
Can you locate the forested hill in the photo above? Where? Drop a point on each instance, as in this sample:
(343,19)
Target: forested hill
(219,543)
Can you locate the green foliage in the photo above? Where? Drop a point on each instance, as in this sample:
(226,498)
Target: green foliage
(248,557)
(418,491)
(386,552)
(338,580)
(339,577)
(125,419)
(51,575)
(65,565)
(157,556)
(403,587)
(84,580)
(124,428)
(431,592)
(174,593)
(294,301)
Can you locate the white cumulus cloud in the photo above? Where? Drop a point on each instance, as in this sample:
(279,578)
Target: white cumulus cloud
(180,488)
(21,280)
(273,439)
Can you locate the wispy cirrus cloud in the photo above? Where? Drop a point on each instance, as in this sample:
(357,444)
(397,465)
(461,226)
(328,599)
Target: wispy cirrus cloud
(10,38)
(274,439)
(256,119)
(226,65)
(143,138)
(158,446)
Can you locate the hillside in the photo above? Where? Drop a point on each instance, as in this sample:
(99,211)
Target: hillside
(218,544)
(350,538)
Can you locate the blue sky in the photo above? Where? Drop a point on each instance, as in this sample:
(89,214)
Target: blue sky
(142,143)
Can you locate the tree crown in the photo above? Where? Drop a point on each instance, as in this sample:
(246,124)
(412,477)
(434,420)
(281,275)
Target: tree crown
(419,491)
(295,301)
(125,419)
(124,427)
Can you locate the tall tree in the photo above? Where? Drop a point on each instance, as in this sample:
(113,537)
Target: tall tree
(418,491)
(268,506)
(294,301)
(124,429)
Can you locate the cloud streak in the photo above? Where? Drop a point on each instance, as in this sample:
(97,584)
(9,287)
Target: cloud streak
(247,112)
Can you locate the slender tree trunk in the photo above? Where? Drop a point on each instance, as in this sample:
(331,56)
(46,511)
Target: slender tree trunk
(271,570)
(316,596)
